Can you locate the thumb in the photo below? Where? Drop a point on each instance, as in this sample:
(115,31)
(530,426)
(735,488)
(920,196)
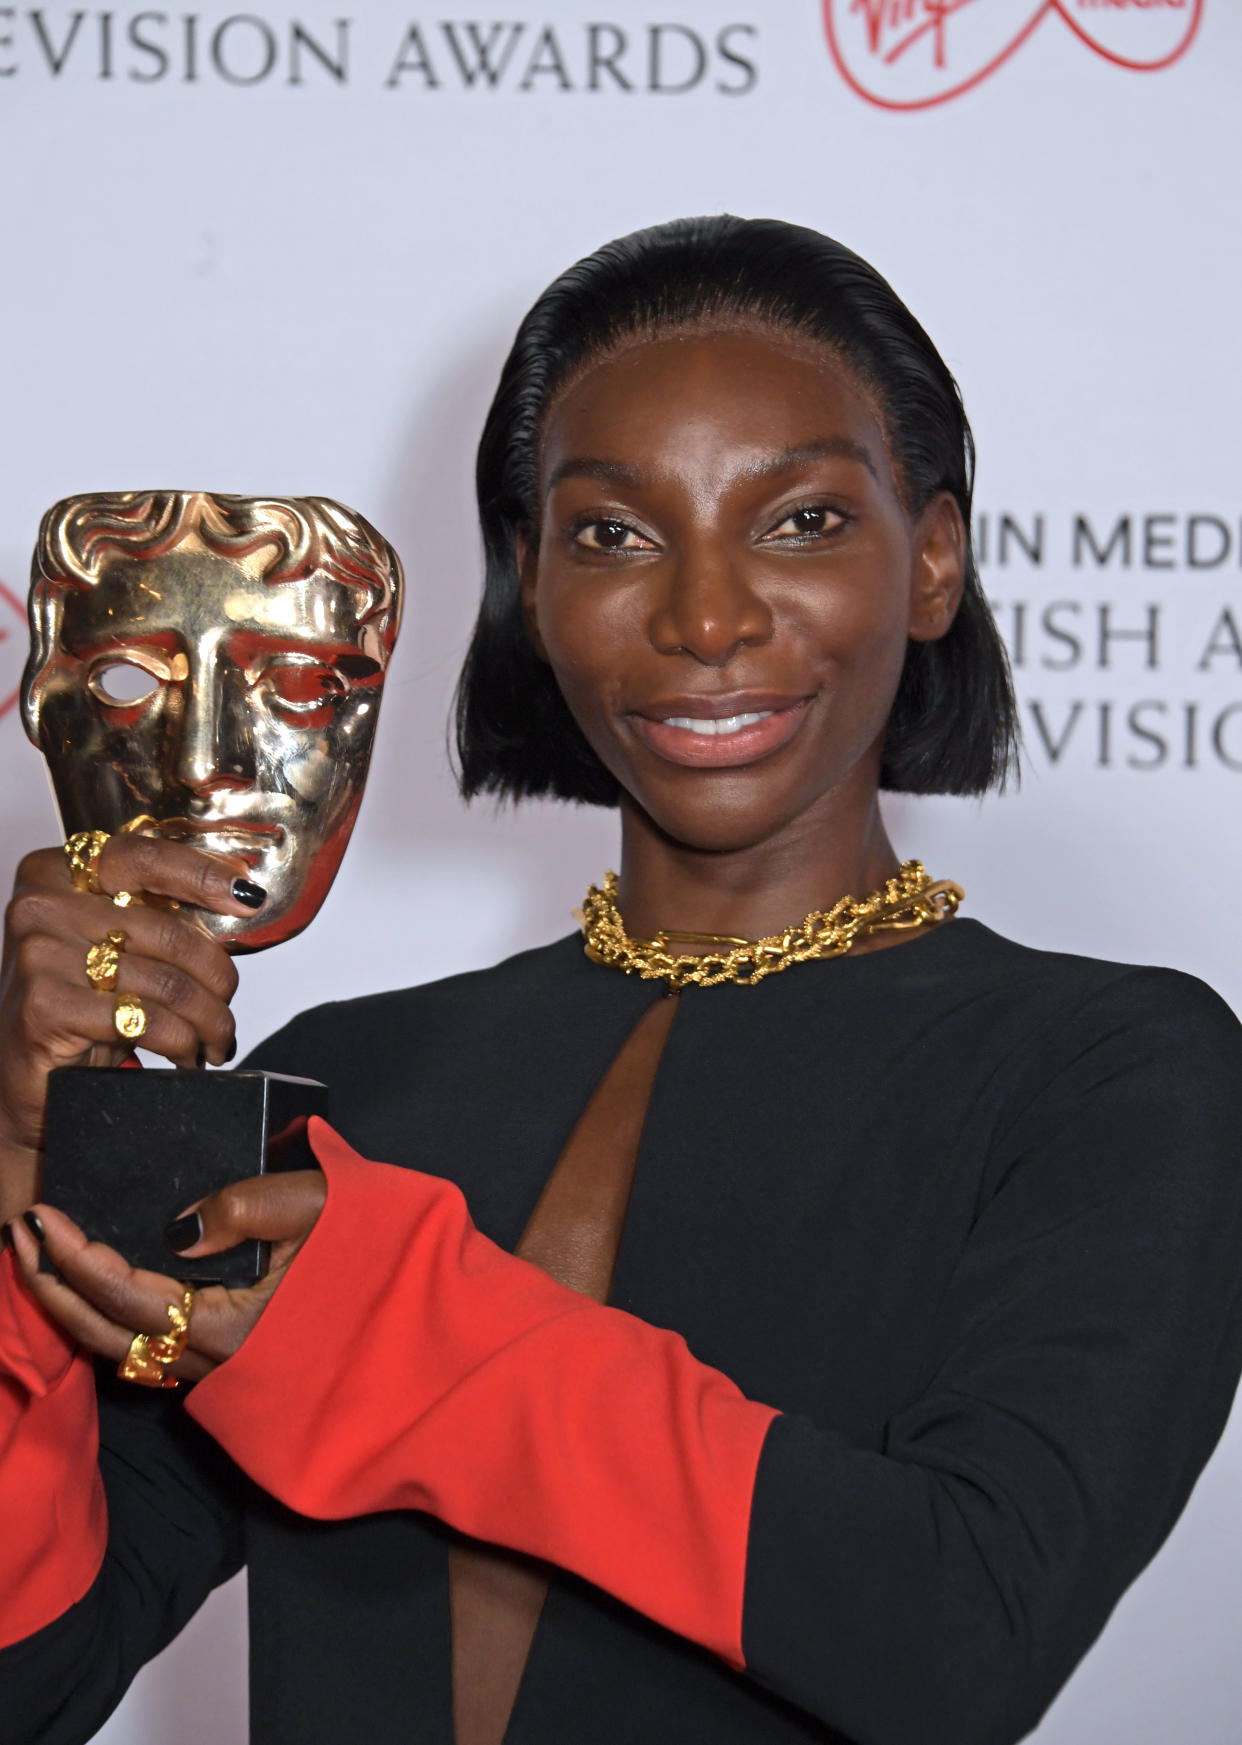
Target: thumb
(264,1208)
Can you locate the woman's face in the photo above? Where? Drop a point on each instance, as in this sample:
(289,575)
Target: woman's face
(726,579)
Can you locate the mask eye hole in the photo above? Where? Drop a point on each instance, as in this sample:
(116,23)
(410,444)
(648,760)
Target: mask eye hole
(302,688)
(122,683)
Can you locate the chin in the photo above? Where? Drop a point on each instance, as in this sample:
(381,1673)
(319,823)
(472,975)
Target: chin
(720,824)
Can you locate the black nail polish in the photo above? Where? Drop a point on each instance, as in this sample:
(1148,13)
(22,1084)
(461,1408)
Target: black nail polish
(34,1227)
(253,896)
(231,1051)
(184,1232)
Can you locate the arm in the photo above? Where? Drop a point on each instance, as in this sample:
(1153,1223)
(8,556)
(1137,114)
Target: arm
(942,1587)
(119,1518)
(1090,1344)
(115,1517)
(51,1495)
(504,1356)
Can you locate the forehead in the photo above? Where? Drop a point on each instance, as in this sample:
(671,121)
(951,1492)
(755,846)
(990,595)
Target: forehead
(188,594)
(772,388)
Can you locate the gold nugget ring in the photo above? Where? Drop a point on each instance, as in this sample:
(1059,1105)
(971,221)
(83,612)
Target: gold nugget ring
(150,1354)
(82,851)
(104,960)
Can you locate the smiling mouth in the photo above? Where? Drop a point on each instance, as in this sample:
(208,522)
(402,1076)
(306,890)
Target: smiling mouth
(697,739)
(724,724)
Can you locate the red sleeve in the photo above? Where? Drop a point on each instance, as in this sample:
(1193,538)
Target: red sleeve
(51,1496)
(406,1362)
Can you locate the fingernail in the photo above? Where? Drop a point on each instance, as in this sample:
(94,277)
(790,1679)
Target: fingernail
(253,896)
(34,1227)
(184,1232)
(230,1052)
(5,1238)
(200,1056)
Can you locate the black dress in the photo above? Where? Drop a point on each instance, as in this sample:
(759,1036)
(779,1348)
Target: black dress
(968,1215)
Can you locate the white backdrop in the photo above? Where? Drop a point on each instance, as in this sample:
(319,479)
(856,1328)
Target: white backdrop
(239,262)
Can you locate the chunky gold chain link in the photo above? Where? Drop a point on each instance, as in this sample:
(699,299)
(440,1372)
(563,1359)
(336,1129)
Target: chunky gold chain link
(909,899)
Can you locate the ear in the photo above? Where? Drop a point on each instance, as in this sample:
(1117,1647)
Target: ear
(526,554)
(938,573)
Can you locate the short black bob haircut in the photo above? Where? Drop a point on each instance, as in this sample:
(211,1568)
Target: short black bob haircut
(952,729)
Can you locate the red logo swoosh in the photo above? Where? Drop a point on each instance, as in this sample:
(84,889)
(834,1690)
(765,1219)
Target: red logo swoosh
(915,54)
(12,647)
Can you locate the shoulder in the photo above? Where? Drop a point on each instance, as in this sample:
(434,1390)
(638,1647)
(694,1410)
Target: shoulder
(474,1000)
(1130,1073)
(1136,1067)
(1072,997)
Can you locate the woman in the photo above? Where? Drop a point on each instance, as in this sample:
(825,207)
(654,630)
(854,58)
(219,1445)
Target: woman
(921,1247)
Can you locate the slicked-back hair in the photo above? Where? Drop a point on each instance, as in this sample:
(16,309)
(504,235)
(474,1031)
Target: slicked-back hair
(953,724)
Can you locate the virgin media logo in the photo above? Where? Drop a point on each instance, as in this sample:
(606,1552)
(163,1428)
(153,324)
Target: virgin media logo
(12,648)
(913,54)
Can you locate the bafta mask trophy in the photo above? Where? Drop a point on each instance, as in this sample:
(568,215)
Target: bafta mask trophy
(207,669)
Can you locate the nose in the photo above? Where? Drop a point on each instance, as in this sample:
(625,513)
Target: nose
(216,745)
(709,609)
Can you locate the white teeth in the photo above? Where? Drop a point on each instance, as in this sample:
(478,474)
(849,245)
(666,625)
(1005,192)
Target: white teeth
(717,724)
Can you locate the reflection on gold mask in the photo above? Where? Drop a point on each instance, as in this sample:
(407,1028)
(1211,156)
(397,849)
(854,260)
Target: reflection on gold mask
(215,662)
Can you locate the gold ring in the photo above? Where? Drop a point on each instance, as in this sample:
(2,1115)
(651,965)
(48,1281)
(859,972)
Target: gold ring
(82,851)
(150,1354)
(123,899)
(129,1017)
(104,960)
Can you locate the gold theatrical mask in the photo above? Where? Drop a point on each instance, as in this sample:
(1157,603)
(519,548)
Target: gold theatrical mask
(214,664)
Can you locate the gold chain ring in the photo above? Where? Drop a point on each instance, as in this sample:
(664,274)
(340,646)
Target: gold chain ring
(82,851)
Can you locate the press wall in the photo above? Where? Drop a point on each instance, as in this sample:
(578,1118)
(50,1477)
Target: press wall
(284,251)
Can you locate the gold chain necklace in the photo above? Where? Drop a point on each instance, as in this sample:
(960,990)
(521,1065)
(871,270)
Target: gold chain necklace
(910,899)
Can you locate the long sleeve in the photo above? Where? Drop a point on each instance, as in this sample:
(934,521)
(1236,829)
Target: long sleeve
(1088,1351)
(450,1350)
(51,1495)
(118,1517)
(941,1586)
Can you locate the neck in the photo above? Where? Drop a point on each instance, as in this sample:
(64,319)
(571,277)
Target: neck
(756,890)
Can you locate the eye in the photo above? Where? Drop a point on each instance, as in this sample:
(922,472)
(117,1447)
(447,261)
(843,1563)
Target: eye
(301,688)
(609,535)
(812,522)
(122,683)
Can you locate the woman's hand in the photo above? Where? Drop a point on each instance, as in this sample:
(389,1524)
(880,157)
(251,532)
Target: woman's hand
(101,1301)
(51,1016)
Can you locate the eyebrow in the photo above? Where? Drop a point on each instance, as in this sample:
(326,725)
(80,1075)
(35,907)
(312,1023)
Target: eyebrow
(820,448)
(608,472)
(611,472)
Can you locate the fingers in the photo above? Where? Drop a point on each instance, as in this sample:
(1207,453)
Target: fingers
(167,959)
(123,1295)
(181,1012)
(176,870)
(266,1208)
(95,1296)
(102,1302)
(169,936)
(150,865)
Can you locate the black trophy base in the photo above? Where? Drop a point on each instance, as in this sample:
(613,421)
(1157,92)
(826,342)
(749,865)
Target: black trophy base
(129,1151)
